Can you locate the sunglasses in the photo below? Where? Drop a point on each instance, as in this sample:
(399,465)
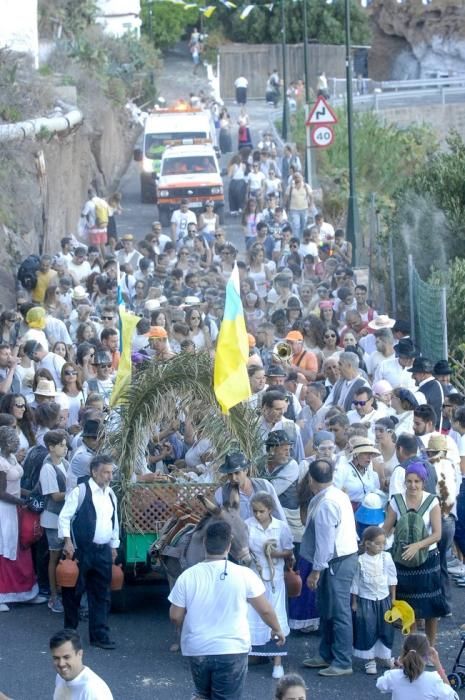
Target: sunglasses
(218,235)
(20,405)
(70,372)
(330,335)
(107,318)
(360,403)
(96,364)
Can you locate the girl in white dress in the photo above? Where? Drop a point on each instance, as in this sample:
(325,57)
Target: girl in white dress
(270,543)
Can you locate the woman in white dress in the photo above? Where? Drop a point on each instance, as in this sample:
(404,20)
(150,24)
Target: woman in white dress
(270,543)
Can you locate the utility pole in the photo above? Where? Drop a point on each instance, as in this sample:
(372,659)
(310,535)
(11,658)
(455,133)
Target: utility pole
(352,228)
(285,124)
(308,149)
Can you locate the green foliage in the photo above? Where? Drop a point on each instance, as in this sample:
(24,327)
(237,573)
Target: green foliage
(72,17)
(455,306)
(443,181)
(164,23)
(325,23)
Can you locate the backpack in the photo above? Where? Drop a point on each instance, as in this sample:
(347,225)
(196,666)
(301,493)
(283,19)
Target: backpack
(27,273)
(101,212)
(32,466)
(410,528)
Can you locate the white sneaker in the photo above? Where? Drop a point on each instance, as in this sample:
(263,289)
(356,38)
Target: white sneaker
(38,600)
(370,668)
(278,672)
(456,569)
(4,607)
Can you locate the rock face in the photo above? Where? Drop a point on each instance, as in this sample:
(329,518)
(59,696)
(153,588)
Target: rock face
(434,37)
(44,184)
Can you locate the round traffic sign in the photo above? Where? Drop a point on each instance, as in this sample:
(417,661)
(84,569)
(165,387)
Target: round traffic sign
(322,136)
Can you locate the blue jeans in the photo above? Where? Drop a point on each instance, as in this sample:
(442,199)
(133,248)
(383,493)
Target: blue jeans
(219,677)
(298,220)
(444,544)
(335,611)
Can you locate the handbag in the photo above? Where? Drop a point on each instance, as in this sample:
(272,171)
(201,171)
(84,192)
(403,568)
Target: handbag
(35,502)
(293,583)
(30,530)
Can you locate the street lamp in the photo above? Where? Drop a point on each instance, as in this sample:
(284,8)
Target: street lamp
(352,228)
(285,124)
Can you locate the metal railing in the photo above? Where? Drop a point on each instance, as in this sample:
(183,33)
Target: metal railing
(366,86)
(384,100)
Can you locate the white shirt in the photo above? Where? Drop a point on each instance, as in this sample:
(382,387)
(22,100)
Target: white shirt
(241,82)
(86,686)
(397,376)
(428,686)
(216,607)
(373,576)
(105,531)
(80,272)
(182,220)
(354,483)
(426,515)
(49,484)
(54,364)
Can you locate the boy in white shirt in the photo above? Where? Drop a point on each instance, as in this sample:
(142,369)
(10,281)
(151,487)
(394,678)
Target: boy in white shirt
(74,681)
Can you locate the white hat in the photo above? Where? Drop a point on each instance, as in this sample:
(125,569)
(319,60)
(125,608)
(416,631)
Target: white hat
(45,387)
(382,386)
(382,321)
(79,292)
(152,304)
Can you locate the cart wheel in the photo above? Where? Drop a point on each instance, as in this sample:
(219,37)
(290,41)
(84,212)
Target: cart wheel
(462,679)
(454,680)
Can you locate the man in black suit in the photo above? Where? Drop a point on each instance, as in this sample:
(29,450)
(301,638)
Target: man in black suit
(422,372)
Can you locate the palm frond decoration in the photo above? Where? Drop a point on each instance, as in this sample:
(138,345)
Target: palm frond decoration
(159,391)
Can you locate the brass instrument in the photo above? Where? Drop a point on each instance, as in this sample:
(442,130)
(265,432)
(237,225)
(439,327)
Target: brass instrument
(282,352)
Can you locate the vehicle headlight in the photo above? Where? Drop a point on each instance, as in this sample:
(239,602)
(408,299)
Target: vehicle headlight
(147,165)
(163,193)
(216,190)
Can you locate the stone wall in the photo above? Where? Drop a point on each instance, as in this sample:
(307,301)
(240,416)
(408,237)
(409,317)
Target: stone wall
(442,118)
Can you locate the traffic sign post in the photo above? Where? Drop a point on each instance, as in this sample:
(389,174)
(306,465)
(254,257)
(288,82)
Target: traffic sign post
(321,114)
(322,136)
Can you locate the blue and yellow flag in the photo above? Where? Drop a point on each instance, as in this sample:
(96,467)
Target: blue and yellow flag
(128,323)
(230,378)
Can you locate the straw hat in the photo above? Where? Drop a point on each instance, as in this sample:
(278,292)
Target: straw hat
(361,445)
(382,321)
(45,387)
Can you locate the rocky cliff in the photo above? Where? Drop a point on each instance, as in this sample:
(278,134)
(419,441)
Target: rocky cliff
(412,40)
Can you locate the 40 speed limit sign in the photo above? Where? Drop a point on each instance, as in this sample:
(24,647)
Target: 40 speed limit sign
(322,136)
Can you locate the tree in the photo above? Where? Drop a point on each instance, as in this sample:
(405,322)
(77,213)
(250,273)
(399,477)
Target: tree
(165,23)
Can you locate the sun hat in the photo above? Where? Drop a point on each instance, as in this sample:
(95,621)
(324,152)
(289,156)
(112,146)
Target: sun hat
(326,304)
(437,443)
(152,304)
(157,332)
(362,445)
(371,510)
(234,462)
(294,335)
(382,321)
(79,293)
(45,387)
(35,318)
(127,237)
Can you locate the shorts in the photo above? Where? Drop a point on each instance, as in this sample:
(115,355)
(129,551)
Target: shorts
(97,236)
(55,544)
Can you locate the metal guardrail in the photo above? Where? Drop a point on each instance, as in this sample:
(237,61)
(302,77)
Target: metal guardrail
(366,86)
(382,100)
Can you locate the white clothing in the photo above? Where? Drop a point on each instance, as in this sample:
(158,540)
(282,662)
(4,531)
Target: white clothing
(373,576)
(56,331)
(255,180)
(54,363)
(258,537)
(80,272)
(375,360)
(241,82)
(391,371)
(405,424)
(105,531)
(426,515)
(86,686)
(309,248)
(8,512)
(182,220)
(49,484)
(75,404)
(203,587)
(428,686)
(354,483)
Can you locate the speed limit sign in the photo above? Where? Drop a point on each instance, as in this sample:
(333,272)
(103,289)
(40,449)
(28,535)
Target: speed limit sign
(322,136)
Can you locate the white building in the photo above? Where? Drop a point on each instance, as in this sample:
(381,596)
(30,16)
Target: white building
(18,27)
(119,16)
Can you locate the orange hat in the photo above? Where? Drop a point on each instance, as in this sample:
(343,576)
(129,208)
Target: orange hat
(294,335)
(157,332)
(251,340)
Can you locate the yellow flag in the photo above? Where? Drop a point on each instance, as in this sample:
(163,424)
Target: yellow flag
(209,11)
(128,323)
(231,380)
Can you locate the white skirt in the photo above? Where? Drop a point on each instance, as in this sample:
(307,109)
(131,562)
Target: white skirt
(259,631)
(8,530)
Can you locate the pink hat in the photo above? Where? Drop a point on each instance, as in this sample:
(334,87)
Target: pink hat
(381,387)
(326,304)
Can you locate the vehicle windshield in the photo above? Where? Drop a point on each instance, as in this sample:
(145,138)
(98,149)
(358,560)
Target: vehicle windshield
(188,166)
(155,143)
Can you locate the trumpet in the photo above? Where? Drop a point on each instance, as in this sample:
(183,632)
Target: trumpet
(282,352)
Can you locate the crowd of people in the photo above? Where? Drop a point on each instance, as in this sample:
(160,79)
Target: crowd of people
(362,436)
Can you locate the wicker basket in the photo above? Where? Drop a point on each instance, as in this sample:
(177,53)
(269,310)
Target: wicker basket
(151,505)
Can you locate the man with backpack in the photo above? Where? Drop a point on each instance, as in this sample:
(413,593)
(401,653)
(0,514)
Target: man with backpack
(88,523)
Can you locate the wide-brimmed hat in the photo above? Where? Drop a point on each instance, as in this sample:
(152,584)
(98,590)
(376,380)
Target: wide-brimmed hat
(421,364)
(442,368)
(45,387)
(405,348)
(275,371)
(382,321)
(235,462)
(277,438)
(437,443)
(371,510)
(79,293)
(152,304)
(127,237)
(362,445)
